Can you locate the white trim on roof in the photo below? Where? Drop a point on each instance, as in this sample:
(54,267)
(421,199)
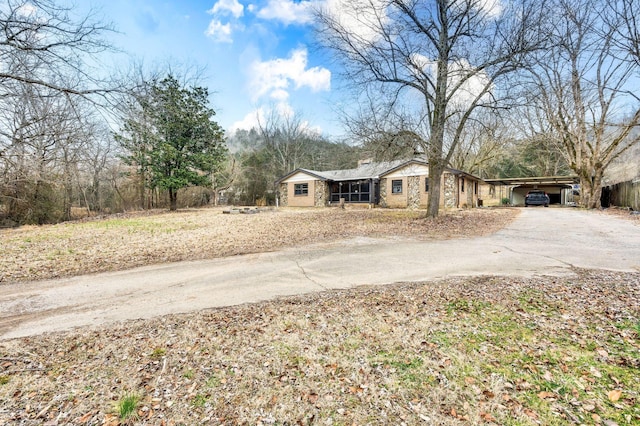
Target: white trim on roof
(299,177)
(409,170)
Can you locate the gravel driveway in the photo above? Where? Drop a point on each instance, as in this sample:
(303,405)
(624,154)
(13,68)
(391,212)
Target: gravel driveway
(539,241)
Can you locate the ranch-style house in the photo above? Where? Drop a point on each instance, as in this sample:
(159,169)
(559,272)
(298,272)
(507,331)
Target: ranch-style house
(395,184)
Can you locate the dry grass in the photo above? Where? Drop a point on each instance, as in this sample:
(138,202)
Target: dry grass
(622,213)
(508,351)
(462,351)
(138,239)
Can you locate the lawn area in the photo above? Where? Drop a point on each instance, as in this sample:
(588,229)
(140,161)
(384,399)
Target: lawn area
(145,238)
(508,351)
(459,351)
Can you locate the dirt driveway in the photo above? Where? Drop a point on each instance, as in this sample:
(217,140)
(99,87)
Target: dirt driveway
(540,241)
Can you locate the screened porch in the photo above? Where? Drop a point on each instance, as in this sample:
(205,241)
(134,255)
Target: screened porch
(355,191)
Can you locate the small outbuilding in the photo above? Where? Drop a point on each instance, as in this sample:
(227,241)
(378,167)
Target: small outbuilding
(397,184)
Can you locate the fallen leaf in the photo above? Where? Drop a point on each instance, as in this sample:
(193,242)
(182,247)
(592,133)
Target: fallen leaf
(111,420)
(487,417)
(84,418)
(614,395)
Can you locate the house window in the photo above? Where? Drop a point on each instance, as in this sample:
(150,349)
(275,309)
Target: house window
(396,186)
(475,188)
(358,191)
(462,185)
(426,184)
(301,189)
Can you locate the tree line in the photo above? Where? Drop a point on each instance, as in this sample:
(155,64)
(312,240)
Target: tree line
(498,89)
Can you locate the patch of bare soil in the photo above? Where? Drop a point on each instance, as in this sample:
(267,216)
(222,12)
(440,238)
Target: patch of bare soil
(139,239)
(484,350)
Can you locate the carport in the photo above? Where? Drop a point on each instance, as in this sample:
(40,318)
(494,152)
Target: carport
(561,189)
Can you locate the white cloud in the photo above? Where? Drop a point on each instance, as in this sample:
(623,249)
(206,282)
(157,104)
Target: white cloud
(490,9)
(361,18)
(219,32)
(288,11)
(26,10)
(459,70)
(274,78)
(493,8)
(249,121)
(260,115)
(471,88)
(279,95)
(420,62)
(223,7)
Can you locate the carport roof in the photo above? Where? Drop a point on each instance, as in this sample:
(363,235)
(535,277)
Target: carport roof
(539,180)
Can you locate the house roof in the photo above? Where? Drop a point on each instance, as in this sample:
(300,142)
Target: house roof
(366,171)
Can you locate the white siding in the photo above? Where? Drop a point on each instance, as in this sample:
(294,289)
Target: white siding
(300,177)
(410,170)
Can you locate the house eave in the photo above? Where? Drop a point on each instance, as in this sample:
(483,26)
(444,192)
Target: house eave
(300,170)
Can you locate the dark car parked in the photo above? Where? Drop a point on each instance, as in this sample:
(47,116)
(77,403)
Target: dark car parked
(536,198)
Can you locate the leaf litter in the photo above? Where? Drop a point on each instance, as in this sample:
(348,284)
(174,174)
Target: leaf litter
(141,238)
(483,350)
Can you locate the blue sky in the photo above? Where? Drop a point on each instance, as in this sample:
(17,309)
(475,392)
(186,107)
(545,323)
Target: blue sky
(258,54)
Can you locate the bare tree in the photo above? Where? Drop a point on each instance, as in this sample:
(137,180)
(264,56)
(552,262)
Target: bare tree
(433,62)
(382,132)
(480,144)
(584,89)
(287,137)
(45,44)
(624,22)
(48,72)
(47,134)
(223,178)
